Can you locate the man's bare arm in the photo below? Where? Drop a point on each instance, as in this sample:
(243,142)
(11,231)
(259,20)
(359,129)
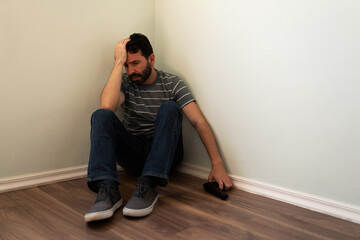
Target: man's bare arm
(201,125)
(111,96)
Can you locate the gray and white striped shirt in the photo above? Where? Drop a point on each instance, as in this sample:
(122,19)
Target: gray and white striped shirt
(142,102)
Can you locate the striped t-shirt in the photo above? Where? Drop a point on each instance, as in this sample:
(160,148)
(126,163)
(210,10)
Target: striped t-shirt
(142,102)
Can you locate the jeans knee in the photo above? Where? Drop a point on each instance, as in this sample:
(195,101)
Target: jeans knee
(101,115)
(170,108)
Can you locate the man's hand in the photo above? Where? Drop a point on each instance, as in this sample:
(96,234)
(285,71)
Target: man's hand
(120,53)
(219,174)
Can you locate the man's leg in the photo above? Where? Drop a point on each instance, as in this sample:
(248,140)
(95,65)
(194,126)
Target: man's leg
(167,148)
(109,143)
(165,152)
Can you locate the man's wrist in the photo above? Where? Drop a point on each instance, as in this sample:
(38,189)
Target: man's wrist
(216,162)
(119,63)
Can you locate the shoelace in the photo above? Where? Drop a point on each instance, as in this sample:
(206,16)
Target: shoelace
(141,190)
(102,194)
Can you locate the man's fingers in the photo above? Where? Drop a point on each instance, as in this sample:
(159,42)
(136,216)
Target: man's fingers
(229,184)
(122,43)
(221,185)
(125,41)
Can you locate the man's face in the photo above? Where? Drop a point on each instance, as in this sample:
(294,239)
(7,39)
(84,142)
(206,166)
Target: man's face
(138,67)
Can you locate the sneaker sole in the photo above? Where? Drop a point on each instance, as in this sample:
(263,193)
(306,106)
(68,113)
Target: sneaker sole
(139,212)
(103,214)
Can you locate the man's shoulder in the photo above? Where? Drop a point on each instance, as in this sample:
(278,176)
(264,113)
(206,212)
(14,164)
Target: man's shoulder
(168,80)
(167,76)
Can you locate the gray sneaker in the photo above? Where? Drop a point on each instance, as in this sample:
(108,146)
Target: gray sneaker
(107,202)
(142,201)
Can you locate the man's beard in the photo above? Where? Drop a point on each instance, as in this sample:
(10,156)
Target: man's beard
(144,75)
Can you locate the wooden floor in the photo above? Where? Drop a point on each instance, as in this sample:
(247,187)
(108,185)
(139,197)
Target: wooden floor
(184,211)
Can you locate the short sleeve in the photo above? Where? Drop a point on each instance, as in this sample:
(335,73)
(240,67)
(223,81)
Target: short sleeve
(181,93)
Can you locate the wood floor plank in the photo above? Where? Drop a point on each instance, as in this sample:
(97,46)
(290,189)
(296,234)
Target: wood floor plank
(204,202)
(16,223)
(218,232)
(77,197)
(197,218)
(61,219)
(236,218)
(5,201)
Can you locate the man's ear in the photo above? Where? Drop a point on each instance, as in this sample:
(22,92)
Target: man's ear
(152,59)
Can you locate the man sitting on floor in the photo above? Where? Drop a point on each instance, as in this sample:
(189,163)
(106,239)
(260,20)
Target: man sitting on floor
(148,142)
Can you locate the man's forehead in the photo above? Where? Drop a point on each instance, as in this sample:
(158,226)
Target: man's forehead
(134,56)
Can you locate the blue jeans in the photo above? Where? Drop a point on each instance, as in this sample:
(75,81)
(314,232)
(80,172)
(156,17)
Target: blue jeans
(139,155)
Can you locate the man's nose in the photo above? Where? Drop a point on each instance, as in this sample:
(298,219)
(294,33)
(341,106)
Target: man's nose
(130,70)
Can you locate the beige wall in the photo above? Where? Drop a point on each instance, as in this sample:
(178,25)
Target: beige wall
(279,82)
(55,59)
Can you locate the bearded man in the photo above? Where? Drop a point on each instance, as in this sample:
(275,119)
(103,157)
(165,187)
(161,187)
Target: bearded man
(148,140)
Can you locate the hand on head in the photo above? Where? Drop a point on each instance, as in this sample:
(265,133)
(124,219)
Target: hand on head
(120,53)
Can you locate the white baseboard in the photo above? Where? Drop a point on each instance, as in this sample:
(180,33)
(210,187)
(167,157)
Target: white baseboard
(42,178)
(314,203)
(36,179)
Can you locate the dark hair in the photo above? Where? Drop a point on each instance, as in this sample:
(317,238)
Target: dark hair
(139,42)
